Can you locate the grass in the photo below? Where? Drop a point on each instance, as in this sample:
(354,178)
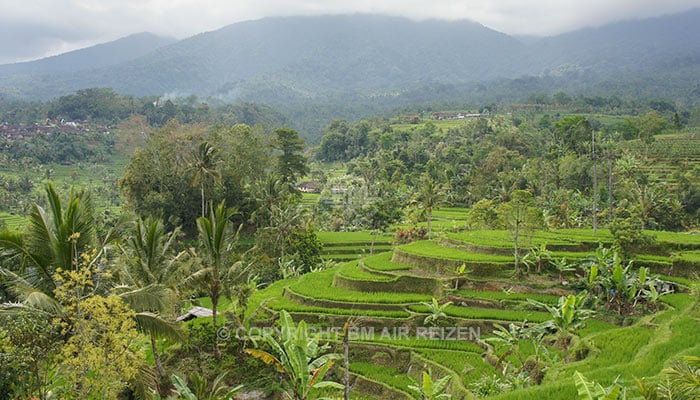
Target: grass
(285,304)
(642,349)
(11,221)
(319,285)
(560,237)
(363,237)
(504,296)
(353,271)
(468,366)
(492,314)
(431,249)
(419,339)
(382,262)
(391,377)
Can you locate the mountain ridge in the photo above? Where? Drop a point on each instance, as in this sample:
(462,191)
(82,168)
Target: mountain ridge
(278,60)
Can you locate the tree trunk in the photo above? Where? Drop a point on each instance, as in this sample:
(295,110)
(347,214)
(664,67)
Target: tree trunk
(214,303)
(610,188)
(203,203)
(430,230)
(516,251)
(595,197)
(346,375)
(156,357)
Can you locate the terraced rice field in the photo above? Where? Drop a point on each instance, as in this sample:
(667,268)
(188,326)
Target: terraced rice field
(387,296)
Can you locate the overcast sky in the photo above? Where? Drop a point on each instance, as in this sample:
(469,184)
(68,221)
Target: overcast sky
(31,29)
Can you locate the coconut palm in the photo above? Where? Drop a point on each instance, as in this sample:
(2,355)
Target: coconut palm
(219,272)
(53,240)
(299,358)
(267,193)
(430,195)
(204,165)
(149,260)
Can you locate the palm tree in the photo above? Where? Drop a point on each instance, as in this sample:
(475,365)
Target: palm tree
(267,193)
(219,273)
(149,260)
(53,240)
(204,165)
(299,358)
(430,196)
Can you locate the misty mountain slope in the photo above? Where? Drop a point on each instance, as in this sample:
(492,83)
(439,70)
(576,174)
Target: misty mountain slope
(623,46)
(333,53)
(101,55)
(371,58)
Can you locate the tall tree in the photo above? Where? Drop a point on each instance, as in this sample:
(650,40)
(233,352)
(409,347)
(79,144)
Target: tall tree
(149,259)
(572,132)
(291,163)
(431,195)
(204,163)
(650,125)
(219,271)
(519,215)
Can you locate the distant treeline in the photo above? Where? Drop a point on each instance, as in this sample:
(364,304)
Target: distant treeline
(312,117)
(103,105)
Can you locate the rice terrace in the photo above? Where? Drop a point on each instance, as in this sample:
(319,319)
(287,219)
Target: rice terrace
(351,206)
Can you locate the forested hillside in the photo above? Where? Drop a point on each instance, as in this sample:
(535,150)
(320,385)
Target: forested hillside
(317,68)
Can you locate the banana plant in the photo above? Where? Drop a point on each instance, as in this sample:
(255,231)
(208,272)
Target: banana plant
(567,317)
(590,390)
(430,388)
(299,358)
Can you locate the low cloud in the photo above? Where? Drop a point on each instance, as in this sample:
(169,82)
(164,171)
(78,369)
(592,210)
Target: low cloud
(36,28)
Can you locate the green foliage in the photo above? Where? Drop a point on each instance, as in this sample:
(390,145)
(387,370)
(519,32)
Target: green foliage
(291,164)
(436,312)
(429,388)
(299,358)
(519,216)
(572,133)
(203,390)
(102,353)
(589,390)
(482,215)
(567,317)
(29,346)
(158,179)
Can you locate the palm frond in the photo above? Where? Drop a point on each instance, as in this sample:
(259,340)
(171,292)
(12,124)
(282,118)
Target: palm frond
(157,326)
(148,298)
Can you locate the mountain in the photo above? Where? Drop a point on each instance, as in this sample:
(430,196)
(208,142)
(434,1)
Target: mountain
(99,56)
(307,56)
(350,65)
(622,46)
